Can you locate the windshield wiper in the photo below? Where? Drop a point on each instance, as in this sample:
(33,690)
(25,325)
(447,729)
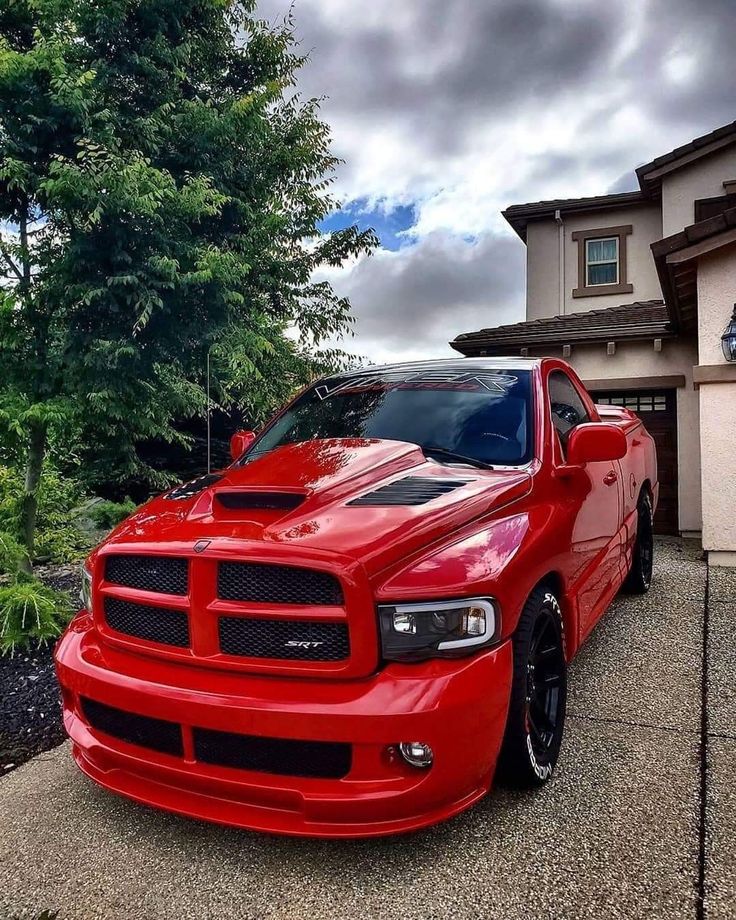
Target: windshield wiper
(451,455)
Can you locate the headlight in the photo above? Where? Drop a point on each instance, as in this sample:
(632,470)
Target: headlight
(411,632)
(85,595)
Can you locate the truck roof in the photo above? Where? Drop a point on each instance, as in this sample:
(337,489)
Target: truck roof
(450,364)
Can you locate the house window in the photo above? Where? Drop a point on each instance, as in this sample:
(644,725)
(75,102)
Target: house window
(602,261)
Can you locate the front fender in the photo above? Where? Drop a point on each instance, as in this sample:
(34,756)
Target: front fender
(495,559)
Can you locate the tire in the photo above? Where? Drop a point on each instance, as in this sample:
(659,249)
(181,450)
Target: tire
(536,718)
(639,579)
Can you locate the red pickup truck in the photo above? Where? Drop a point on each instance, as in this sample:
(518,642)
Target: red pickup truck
(370,613)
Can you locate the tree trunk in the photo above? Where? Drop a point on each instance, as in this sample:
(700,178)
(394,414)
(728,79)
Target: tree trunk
(29,502)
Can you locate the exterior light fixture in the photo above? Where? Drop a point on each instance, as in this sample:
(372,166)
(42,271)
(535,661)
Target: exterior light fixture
(416,753)
(728,339)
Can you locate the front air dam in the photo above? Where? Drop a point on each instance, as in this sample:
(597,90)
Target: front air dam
(458,707)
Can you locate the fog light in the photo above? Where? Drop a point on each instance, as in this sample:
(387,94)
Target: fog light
(416,753)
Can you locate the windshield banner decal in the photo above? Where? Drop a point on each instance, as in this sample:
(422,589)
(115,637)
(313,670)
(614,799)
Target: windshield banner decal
(494,383)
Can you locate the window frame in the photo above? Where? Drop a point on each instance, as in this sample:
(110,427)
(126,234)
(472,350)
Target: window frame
(594,262)
(562,443)
(531,427)
(582,238)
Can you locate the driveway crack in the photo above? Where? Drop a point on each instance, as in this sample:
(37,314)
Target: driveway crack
(633,723)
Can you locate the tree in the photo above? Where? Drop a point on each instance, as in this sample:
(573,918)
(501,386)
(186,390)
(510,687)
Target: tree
(161,189)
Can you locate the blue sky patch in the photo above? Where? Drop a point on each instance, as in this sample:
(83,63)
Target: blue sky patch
(388,224)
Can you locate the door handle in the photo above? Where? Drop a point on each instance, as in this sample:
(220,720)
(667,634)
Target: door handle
(610,477)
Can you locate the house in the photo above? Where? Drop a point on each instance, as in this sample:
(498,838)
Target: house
(635,289)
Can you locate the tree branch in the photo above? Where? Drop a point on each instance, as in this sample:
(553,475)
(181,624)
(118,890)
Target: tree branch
(24,251)
(6,255)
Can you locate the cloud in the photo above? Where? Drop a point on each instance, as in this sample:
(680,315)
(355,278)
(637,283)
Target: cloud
(408,304)
(447,111)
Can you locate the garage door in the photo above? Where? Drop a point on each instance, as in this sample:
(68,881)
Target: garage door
(658,410)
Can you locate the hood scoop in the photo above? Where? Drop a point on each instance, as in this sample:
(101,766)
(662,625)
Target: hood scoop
(412,490)
(260,501)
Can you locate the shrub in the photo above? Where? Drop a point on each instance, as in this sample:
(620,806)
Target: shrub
(12,554)
(30,610)
(107,514)
(58,538)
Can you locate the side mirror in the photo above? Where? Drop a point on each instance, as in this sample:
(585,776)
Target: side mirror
(593,441)
(240,442)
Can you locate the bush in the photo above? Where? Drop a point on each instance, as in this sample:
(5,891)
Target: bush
(30,610)
(57,536)
(12,555)
(107,514)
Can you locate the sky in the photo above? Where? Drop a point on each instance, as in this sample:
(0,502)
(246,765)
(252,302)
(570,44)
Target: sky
(447,111)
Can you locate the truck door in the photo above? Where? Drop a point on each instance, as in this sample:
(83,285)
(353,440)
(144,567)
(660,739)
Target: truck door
(595,503)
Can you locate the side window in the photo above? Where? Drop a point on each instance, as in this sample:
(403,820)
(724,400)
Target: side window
(568,409)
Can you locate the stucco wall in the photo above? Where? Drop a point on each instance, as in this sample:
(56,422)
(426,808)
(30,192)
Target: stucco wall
(716,278)
(702,179)
(638,359)
(716,296)
(545,294)
(542,269)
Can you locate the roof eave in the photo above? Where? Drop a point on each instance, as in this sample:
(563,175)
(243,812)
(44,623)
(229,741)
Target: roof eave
(643,333)
(676,258)
(650,175)
(520,215)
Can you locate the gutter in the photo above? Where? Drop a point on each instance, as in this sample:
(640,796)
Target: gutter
(561,270)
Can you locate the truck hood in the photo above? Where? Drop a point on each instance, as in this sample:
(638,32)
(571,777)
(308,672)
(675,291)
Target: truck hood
(319,497)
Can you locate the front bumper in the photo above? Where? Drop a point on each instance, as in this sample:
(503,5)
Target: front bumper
(457,706)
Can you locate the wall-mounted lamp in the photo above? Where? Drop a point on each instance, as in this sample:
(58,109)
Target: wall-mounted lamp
(728,339)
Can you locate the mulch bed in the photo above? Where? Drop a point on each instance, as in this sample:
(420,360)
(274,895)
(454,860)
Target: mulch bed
(30,710)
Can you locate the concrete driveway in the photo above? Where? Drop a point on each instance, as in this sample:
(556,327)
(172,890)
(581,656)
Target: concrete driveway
(638,822)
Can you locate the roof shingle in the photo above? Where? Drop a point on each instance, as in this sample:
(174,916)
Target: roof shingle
(649,175)
(519,215)
(726,134)
(639,320)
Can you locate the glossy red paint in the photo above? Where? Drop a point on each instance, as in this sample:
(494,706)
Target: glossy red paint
(240,442)
(381,794)
(593,442)
(500,534)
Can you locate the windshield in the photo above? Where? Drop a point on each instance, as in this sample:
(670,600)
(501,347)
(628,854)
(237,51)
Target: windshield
(483,415)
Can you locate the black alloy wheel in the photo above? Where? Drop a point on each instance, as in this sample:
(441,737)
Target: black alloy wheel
(545,670)
(639,579)
(536,718)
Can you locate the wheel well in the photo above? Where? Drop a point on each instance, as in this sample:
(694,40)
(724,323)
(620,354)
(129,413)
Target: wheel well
(553,581)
